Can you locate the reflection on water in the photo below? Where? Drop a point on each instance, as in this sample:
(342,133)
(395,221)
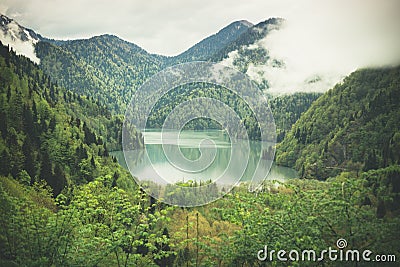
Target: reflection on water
(198,156)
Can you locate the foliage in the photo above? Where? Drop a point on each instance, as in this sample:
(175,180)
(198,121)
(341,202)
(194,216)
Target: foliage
(287,109)
(104,68)
(298,215)
(354,127)
(93,225)
(41,137)
(65,202)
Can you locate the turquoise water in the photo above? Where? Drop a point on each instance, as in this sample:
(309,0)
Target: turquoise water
(200,156)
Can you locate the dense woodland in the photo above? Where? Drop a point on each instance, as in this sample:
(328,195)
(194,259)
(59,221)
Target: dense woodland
(48,129)
(363,132)
(104,67)
(65,202)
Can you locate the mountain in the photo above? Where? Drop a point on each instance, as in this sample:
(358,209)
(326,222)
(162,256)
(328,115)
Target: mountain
(288,108)
(113,68)
(250,55)
(252,36)
(353,127)
(104,67)
(22,39)
(239,45)
(109,70)
(65,202)
(43,136)
(56,177)
(211,45)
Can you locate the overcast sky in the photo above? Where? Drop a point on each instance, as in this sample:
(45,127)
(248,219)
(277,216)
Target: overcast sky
(170,27)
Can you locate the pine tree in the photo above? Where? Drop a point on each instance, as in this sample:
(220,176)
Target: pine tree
(8,94)
(16,110)
(93,162)
(29,163)
(105,154)
(52,124)
(28,120)
(59,180)
(5,166)
(115,178)
(3,124)
(46,172)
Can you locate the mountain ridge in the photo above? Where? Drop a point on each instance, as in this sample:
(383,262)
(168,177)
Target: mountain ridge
(4,20)
(210,45)
(255,33)
(115,68)
(215,48)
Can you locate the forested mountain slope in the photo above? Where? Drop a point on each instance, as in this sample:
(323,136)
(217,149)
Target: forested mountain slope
(103,67)
(58,186)
(354,126)
(110,69)
(46,131)
(103,219)
(288,108)
(206,48)
(250,37)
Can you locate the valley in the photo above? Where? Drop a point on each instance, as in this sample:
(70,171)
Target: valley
(65,199)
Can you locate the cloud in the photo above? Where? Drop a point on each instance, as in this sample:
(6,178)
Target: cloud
(323,41)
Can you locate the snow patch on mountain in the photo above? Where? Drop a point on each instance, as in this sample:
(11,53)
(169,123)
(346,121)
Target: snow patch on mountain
(19,38)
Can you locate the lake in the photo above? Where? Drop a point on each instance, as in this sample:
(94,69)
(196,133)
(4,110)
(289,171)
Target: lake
(198,156)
